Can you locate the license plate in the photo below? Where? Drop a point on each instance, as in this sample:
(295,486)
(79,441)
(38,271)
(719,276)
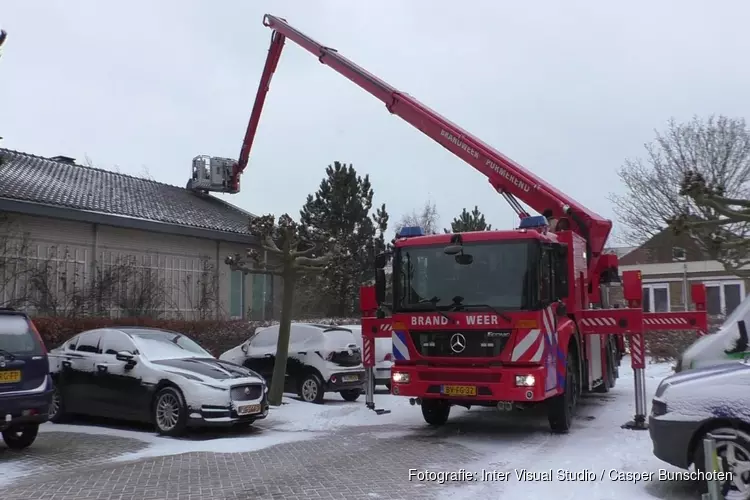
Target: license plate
(248,409)
(459,390)
(10,377)
(350,378)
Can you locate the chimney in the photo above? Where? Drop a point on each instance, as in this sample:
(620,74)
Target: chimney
(64,159)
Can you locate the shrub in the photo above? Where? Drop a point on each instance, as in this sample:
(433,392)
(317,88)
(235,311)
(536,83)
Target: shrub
(214,336)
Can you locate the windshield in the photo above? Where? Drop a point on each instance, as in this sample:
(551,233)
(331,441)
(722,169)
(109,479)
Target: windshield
(167,345)
(17,337)
(497,277)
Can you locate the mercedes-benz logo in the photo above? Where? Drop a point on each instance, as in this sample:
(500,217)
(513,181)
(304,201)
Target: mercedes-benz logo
(458,343)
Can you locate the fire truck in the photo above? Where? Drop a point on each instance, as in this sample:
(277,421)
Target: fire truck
(506,319)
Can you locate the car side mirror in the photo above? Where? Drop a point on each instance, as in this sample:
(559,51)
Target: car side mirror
(380,286)
(243,348)
(125,356)
(381,260)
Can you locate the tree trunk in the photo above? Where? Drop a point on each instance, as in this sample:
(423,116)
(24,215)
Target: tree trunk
(278,379)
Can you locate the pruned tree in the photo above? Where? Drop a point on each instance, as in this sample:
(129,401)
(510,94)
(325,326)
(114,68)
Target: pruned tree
(427,218)
(664,189)
(143,293)
(469,221)
(291,255)
(15,252)
(202,291)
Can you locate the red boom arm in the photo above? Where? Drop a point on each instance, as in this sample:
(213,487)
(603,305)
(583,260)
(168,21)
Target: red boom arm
(505,175)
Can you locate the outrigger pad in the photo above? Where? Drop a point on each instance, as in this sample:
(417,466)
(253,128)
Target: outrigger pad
(381,411)
(635,425)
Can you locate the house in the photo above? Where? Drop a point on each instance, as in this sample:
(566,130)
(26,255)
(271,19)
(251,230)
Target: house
(670,263)
(77,239)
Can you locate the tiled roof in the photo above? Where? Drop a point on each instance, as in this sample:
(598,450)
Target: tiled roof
(35,179)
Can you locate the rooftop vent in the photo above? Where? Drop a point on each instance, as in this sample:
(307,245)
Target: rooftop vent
(64,159)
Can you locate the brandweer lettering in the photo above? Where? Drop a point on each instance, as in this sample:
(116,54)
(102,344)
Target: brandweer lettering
(461,144)
(437,320)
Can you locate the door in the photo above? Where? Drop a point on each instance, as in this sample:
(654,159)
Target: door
(23,365)
(79,375)
(118,383)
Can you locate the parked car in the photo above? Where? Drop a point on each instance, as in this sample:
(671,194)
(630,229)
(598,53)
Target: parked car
(322,358)
(689,405)
(383,355)
(155,376)
(25,385)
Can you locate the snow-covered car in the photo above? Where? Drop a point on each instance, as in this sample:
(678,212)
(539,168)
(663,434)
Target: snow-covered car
(383,355)
(727,345)
(322,358)
(689,405)
(154,376)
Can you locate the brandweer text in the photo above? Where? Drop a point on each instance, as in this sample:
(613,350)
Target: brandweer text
(473,319)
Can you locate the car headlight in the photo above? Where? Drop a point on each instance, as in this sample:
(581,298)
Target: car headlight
(217,387)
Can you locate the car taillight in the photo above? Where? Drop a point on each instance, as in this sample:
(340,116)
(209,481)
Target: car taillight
(38,336)
(388,357)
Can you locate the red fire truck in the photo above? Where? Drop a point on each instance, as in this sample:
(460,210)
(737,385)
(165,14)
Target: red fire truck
(506,319)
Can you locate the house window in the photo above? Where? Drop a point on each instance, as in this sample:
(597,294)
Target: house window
(722,297)
(236,294)
(656,297)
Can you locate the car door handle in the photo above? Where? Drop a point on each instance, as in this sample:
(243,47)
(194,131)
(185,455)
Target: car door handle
(101,368)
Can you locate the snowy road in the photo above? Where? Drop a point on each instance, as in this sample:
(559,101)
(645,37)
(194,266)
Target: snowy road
(342,450)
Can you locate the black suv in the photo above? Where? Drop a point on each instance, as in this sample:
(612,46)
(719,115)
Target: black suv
(25,383)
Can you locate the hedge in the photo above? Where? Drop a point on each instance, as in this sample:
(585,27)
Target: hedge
(214,336)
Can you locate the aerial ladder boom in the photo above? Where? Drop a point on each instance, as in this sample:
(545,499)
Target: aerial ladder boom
(506,176)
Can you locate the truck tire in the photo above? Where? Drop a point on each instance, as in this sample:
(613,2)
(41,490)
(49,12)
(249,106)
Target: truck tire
(435,411)
(560,409)
(610,375)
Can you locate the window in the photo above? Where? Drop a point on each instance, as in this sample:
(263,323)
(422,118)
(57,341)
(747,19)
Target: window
(236,294)
(17,337)
(656,298)
(114,342)
(723,297)
(89,341)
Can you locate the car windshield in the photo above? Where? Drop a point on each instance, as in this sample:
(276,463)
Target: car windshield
(17,337)
(498,276)
(166,345)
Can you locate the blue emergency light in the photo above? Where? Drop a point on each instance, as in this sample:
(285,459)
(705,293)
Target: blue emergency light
(533,222)
(410,232)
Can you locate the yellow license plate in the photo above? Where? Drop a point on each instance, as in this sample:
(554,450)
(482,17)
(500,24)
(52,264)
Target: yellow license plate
(10,377)
(459,390)
(248,409)
(350,378)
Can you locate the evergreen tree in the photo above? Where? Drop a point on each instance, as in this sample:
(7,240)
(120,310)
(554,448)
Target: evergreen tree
(340,212)
(469,221)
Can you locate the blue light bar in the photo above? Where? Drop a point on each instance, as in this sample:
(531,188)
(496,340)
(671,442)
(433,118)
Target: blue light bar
(533,222)
(410,231)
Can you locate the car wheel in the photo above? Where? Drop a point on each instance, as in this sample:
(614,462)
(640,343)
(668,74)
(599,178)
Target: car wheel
(311,389)
(57,407)
(435,411)
(351,394)
(169,412)
(560,408)
(734,457)
(18,438)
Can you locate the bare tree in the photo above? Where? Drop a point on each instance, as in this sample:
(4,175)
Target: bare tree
(14,262)
(718,150)
(143,293)
(427,218)
(291,253)
(202,293)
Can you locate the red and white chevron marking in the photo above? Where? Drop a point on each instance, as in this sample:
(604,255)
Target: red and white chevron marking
(386,327)
(665,321)
(604,321)
(368,353)
(636,349)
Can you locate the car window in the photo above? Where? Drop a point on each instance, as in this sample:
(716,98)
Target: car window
(265,338)
(114,341)
(17,335)
(89,341)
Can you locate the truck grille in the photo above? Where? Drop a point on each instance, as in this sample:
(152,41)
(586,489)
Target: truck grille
(254,391)
(343,358)
(476,344)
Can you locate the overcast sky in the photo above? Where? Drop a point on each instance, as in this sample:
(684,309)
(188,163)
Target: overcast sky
(567,88)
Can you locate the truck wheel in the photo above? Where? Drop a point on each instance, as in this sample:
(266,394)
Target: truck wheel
(435,411)
(560,408)
(18,438)
(351,394)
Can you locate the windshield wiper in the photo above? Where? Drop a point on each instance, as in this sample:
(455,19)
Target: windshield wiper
(458,306)
(9,354)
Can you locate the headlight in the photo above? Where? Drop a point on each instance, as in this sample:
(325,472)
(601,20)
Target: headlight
(525,380)
(400,378)
(217,387)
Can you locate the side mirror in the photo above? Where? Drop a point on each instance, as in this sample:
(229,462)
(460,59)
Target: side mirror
(381,260)
(380,286)
(562,311)
(243,348)
(464,259)
(453,250)
(125,356)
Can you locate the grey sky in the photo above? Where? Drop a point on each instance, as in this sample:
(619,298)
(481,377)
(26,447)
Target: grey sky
(568,89)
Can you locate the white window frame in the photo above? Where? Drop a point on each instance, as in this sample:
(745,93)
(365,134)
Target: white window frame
(722,297)
(657,286)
